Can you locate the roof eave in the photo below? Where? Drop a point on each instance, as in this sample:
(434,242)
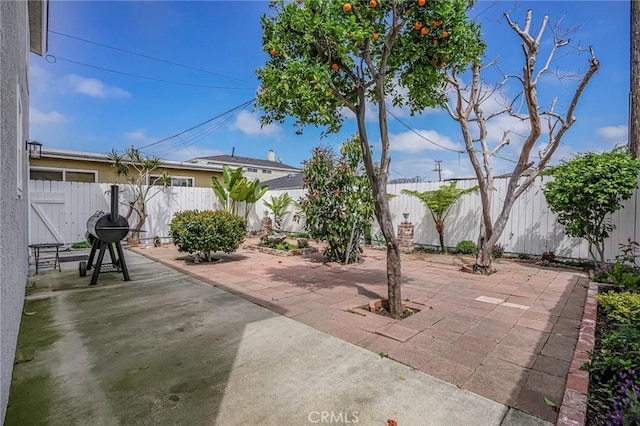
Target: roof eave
(38,26)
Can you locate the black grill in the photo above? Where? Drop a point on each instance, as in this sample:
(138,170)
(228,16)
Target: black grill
(105,231)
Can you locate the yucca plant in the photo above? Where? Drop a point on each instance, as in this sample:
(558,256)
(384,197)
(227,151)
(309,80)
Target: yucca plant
(439,203)
(278,207)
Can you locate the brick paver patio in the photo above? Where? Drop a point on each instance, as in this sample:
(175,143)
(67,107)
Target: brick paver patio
(509,337)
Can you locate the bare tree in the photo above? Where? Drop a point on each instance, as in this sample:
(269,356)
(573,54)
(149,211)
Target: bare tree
(136,169)
(468,110)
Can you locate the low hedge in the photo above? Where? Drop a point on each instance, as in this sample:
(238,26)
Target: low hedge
(203,232)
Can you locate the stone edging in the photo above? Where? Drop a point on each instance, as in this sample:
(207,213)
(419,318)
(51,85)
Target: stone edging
(573,411)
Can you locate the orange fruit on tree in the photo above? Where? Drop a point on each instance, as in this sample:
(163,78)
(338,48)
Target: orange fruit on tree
(435,41)
(346,7)
(373,3)
(299,1)
(334,67)
(417,25)
(424,31)
(437,23)
(273,52)
(375,36)
(422,2)
(444,34)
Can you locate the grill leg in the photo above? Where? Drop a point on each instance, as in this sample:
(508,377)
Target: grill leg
(94,246)
(114,260)
(96,271)
(123,264)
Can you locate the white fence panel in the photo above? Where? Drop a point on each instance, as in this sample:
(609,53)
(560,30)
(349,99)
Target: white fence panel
(59,211)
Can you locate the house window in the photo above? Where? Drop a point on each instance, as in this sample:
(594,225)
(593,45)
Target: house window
(251,169)
(64,175)
(185,181)
(87,177)
(265,171)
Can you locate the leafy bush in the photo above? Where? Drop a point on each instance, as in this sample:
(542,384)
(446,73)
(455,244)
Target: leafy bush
(620,275)
(498,251)
(619,351)
(548,256)
(81,245)
(203,232)
(303,243)
(586,190)
(623,307)
(625,272)
(338,205)
(626,406)
(467,247)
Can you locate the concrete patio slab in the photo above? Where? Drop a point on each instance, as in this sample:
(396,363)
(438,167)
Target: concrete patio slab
(470,328)
(166,348)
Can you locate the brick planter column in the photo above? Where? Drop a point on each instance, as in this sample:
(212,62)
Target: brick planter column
(267,225)
(405,237)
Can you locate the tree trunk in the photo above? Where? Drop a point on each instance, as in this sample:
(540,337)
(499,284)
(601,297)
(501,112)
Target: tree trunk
(394,275)
(440,229)
(483,256)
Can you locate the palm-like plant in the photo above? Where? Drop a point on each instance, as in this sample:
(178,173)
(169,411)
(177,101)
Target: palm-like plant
(237,189)
(136,170)
(278,207)
(439,203)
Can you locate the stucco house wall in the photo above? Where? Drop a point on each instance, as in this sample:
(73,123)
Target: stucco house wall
(13,202)
(23,28)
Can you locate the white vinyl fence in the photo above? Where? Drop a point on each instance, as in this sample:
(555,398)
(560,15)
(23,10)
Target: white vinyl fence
(59,212)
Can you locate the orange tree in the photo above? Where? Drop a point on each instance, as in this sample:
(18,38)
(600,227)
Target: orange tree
(328,56)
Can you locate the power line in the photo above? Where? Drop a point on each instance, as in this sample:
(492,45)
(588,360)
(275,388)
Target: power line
(149,57)
(241,106)
(422,136)
(191,140)
(53,59)
(485,9)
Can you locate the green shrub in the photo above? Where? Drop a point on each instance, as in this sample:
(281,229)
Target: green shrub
(498,251)
(620,275)
(338,206)
(623,307)
(203,232)
(467,247)
(303,243)
(81,245)
(619,351)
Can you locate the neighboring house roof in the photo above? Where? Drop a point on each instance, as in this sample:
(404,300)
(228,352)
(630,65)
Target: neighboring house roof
(291,181)
(38,26)
(103,158)
(244,161)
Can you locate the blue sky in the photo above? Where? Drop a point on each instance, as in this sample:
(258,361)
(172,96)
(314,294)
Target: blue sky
(84,108)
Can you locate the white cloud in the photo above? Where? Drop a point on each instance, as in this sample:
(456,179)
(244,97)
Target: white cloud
(40,80)
(249,124)
(615,134)
(37,117)
(191,152)
(140,137)
(411,142)
(94,88)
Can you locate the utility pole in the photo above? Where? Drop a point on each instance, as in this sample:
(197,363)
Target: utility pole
(634,97)
(438,169)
